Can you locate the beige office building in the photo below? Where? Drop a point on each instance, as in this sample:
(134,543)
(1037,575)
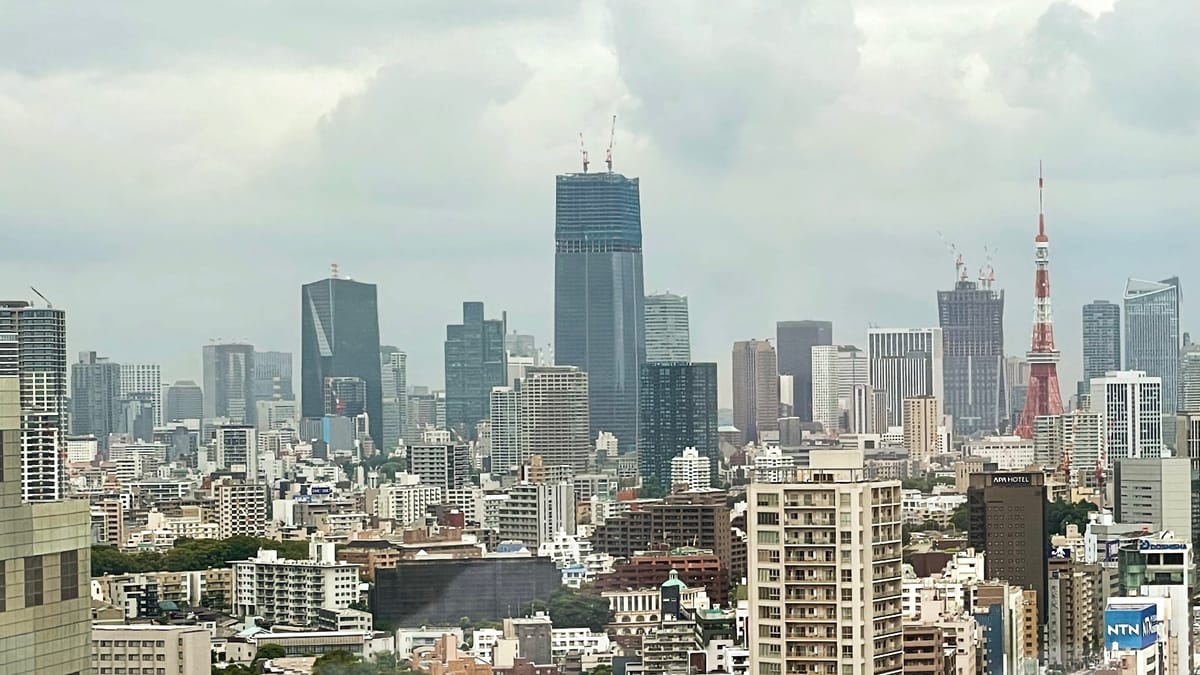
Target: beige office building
(150,648)
(921,428)
(45,616)
(554,416)
(826,556)
(755,389)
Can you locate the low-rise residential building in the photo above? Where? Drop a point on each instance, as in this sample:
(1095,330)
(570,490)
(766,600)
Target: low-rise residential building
(150,648)
(293,592)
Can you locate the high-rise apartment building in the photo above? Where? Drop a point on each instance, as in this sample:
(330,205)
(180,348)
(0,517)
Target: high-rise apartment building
(1074,442)
(535,512)
(826,555)
(1101,339)
(972,321)
(236,449)
(692,469)
(95,397)
(794,341)
(836,370)
(144,379)
(1189,379)
(866,414)
(599,299)
(668,337)
(229,382)
(183,400)
(1152,339)
(45,606)
(678,410)
(554,415)
(905,362)
(240,508)
(393,365)
(755,388)
(1006,520)
(339,337)
(1132,405)
(406,499)
(273,376)
(476,361)
(921,438)
(447,466)
(505,426)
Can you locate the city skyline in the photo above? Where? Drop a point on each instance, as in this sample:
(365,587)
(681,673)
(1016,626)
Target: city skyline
(350,172)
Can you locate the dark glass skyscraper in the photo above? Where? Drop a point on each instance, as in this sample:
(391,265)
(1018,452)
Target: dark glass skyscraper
(476,361)
(598,298)
(678,409)
(972,321)
(95,390)
(1152,339)
(339,337)
(273,376)
(794,341)
(1101,339)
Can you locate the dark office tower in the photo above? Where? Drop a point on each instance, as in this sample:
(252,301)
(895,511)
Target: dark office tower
(229,382)
(972,321)
(678,410)
(476,361)
(755,389)
(794,341)
(345,396)
(1152,333)
(273,376)
(96,408)
(183,400)
(1006,519)
(1101,339)
(598,297)
(339,324)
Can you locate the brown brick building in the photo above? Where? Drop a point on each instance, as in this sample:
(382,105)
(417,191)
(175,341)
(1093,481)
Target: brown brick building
(697,519)
(695,567)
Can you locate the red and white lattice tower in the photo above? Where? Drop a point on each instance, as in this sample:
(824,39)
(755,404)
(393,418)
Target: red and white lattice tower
(1043,397)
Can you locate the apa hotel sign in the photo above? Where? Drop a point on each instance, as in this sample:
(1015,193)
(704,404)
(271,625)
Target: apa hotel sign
(1004,479)
(1132,627)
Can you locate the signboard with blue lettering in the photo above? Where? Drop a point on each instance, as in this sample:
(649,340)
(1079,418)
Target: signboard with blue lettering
(1130,626)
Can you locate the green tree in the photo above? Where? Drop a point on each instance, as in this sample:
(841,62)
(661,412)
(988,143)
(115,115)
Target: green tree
(268,651)
(601,669)
(569,608)
(1061,513)
(341,662)
(960,518)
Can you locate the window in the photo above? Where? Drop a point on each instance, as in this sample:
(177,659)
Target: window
(844,499)
(68,574)
(768,537)
(161,657)
(768,518)
(769,499)
(159,643)
(847,594)
(33,581)
(845,537)
(3,588)
(847,576)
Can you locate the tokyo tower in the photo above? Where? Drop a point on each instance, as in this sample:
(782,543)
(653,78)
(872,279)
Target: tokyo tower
(1043,397)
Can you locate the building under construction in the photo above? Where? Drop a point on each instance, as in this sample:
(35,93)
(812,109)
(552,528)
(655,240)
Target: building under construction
(972,321)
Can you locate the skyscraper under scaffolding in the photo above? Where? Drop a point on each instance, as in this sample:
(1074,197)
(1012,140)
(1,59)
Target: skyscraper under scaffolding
(972,321)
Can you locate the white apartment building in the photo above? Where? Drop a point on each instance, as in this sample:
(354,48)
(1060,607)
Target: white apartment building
(771,465)
(505,427)
(837,370)
(293,592)
(691,469)
(535,513)
(406,500)
(82,449)
(445,465)
(144,378)
(904,363)
(237,449)
(1010,453)
(274,415)
(151,649)
(554,416)
(1073,441)
(241,508)
(1132,405)
(827,560)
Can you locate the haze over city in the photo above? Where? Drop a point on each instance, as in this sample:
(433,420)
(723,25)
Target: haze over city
(173,173)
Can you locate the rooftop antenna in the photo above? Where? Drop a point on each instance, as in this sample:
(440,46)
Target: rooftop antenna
(333,271)
(612,135)
(583,151)
(49,304)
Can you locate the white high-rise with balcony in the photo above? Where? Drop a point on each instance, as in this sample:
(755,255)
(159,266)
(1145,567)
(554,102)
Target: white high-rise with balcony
(692,469)
(505,426)
(144,378)
(1132,405)
(293,592)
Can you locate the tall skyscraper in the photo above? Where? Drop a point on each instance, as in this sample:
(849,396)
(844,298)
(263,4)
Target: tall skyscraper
(921,428)
(836,370)
(1152,339)
(554,415)
(1007,521)
(183,400)
(1189,379)
(505,423)
(599,300)
(905,363)
(45,554)
(273,376)
(1043,397)
(972,320)
(393,365)
(229,382)
(476,361)
(668,337)
(794,341)
(1131,402)
(678,410)
(835,607)
(755,389)
(1101,339)
(339,337)
(144,378)
(41,337)
(95,397)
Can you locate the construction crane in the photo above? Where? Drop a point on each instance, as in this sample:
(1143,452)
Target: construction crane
(987,274)
(583,152)
(960,267)
(612,135)
(49,305)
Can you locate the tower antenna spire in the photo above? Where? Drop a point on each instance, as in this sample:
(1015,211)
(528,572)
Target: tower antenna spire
(1041,204)
(583,152)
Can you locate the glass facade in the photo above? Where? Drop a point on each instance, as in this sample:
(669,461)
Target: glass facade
(794,341)
(1101,339)
(599,310)
(476,361)
(678,409)
(1152,338)
(972,322)
(339,337)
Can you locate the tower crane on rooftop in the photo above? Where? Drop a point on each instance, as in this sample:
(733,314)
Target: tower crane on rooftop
(612,135)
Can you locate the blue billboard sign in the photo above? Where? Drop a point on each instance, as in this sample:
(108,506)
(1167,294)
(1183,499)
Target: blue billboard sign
(1132,627)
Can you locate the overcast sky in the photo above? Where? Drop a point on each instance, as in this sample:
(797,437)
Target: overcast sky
(172,172)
